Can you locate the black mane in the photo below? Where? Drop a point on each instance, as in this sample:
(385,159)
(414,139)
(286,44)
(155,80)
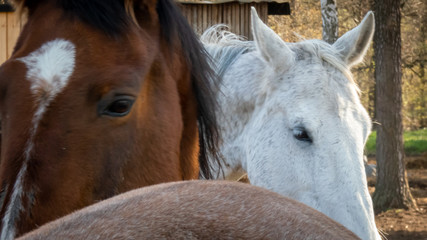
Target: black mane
(203,80)
(107,15)
(110,16)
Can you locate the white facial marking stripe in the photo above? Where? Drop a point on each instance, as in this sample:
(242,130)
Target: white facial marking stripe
(48,69)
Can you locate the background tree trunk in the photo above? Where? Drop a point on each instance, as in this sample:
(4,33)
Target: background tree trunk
(329,20)
(422,66)
(392,189)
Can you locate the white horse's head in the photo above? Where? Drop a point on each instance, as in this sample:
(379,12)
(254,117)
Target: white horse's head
(294,122)
(309,132)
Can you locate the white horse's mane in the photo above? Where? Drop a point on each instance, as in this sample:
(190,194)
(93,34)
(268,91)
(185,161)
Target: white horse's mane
(225,47)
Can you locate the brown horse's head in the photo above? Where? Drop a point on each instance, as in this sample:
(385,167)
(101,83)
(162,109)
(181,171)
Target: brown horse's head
(99,97)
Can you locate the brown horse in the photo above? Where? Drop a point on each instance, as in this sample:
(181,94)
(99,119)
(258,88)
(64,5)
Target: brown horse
(195,210)
(98,98)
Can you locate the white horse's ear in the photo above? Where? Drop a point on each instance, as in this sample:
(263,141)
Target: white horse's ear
(272,48)
(353,45)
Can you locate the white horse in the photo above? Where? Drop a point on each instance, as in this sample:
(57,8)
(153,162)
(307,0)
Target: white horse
(292,118)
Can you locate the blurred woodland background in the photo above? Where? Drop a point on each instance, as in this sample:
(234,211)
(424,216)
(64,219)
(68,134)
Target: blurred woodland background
(306,22)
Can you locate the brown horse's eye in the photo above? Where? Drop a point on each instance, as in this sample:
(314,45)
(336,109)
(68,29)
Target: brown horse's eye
(119,108)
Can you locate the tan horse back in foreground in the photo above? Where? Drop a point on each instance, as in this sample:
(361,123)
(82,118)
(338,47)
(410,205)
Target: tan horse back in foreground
(195,210)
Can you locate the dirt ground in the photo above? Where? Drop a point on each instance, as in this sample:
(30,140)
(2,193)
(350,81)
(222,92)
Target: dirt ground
(399,224)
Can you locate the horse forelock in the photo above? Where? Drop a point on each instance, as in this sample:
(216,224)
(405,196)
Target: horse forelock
(329,54)
(109,16)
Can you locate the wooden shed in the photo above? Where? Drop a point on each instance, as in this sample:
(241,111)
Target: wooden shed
(202,14)
(10,27)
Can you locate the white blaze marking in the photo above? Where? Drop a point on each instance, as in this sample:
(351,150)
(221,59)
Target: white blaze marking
(48,69)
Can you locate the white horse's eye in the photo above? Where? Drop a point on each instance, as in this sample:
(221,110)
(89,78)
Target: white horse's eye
(301,134)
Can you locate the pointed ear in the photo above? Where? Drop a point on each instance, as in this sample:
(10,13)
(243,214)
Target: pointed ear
(353,45)
(271,47)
